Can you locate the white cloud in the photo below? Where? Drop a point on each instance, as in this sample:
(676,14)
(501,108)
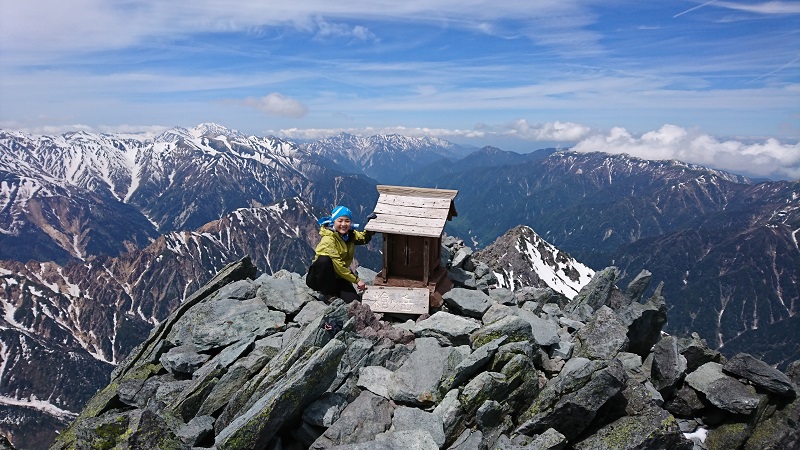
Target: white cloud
(770,158)
(326,29)
(550,131)
(47,27)
(276,104)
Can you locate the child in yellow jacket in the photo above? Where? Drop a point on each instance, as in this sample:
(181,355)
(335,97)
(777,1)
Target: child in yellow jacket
(330,271)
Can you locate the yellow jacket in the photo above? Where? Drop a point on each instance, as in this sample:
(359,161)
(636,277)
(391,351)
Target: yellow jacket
(341,253)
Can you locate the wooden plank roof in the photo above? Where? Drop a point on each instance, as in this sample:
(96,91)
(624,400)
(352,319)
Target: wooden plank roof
(413,211)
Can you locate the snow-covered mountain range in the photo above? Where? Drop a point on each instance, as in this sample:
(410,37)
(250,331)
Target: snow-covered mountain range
(101,236)
(80,194)
(390,159)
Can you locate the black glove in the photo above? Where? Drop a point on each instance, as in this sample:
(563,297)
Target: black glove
(370,217)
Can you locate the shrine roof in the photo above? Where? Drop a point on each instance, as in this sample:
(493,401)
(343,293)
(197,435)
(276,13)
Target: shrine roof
(413,211)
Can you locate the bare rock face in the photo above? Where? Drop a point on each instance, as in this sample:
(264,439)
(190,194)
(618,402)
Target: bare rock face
(220,373)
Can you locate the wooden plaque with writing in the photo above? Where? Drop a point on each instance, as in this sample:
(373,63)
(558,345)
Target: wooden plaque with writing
(399,300)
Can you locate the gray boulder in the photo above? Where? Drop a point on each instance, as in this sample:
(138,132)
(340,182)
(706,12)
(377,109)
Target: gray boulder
(496,312)
(644,322)
(375,379)
(198,429)
(183,359)
(461,278)
(571,412)
(668,366)
(460,257)
(452,414)
(326,410)
(602,337)
(503,296)
(286,294)
(365,417)
(515,328)
(469,440)
(685,402)
(456,329)
(723,391)
(416,382)
(696,352)
(409,419)
(597,292)
(545,331)
(730,395)
(471,364)
(221,322)
(467,302)
(637,287)
(761,374)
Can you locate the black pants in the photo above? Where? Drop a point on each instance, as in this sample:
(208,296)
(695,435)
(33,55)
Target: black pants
(322,277)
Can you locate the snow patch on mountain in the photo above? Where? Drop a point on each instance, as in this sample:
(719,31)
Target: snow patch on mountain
(522,258)
(556,274)
(40,405)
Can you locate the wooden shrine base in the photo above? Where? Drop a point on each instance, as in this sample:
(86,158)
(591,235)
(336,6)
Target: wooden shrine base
(438,284)
(398,300)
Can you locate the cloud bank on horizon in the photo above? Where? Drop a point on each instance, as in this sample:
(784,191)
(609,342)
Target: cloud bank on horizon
(707,82)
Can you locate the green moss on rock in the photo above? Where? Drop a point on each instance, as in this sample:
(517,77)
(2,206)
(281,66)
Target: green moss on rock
(727,436)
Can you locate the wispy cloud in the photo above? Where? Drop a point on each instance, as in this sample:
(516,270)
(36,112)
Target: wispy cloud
(766,8)
(694,8)
(275,104)
(327,29)
(774,7)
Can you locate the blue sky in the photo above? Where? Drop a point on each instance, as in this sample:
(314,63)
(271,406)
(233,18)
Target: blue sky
(708,82)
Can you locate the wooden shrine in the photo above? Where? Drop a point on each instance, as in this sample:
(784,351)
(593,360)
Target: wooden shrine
(412,221)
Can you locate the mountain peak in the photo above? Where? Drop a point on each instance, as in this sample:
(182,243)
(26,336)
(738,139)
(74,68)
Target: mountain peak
(521,258)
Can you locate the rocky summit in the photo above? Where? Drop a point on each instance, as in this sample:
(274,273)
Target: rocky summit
(263,363)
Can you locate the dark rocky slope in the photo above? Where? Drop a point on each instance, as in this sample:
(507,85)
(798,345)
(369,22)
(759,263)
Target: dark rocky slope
(263,364)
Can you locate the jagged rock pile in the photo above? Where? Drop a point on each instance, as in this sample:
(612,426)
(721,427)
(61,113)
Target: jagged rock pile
(264,364)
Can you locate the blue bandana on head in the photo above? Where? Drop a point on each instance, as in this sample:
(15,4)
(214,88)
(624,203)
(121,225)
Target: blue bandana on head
(339,211)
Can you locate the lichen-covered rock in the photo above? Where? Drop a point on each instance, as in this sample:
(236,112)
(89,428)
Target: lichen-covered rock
(514,328)
(728,436)
(655,429)
(573,411)
(304,382)
(603,337)
(777,428)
